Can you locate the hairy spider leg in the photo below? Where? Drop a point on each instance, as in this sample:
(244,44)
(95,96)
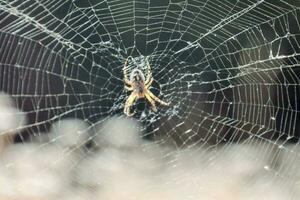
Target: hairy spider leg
(129,103)
(147,85)
(130,88)
(148,92)
(152,102)
(126,80)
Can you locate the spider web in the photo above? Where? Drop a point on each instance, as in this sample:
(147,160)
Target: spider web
(229,68)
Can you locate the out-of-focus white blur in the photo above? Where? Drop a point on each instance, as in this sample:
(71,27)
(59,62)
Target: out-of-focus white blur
(11,120)
(127,167)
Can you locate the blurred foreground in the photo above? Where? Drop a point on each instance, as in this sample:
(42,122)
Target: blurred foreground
(121,165)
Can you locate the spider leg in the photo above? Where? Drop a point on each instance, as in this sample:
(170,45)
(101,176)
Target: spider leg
(148,92)
(149,73)
(129,103)
(130,88)
(152,102)
(147,85)
(126,80)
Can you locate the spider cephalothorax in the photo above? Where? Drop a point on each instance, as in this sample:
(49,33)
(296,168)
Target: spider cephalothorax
(140,88)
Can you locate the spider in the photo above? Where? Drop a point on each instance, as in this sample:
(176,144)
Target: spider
(140,88)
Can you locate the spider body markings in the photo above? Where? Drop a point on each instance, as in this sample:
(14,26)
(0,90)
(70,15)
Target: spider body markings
(139,85)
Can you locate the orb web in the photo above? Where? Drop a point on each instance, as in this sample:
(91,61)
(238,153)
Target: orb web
(229,68)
